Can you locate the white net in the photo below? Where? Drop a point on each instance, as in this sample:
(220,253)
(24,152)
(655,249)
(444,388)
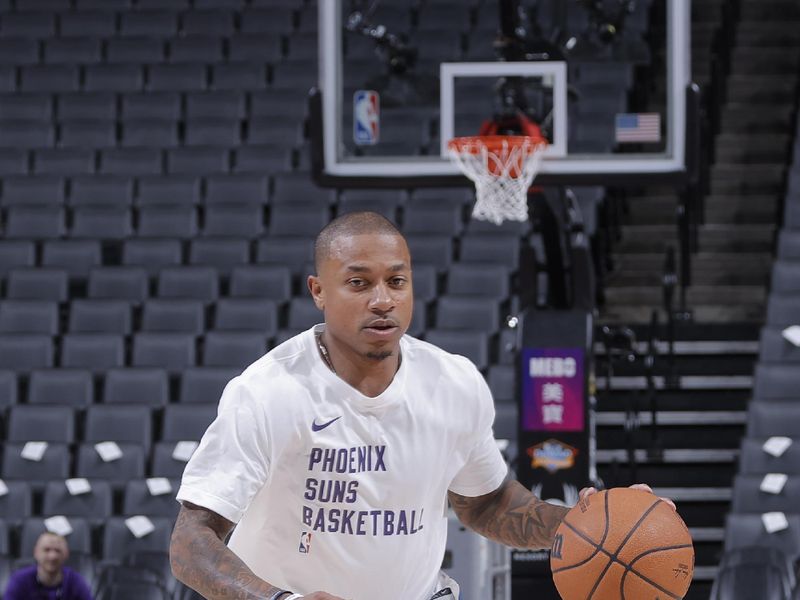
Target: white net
(502,170)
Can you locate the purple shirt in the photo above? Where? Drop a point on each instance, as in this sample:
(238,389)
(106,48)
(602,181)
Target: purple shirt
(22,585)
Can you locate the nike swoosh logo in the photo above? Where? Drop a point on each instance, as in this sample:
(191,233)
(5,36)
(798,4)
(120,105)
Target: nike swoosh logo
(320,427)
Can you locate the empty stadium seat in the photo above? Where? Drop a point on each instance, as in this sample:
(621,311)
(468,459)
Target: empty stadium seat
(293,253)
(121,423)
(94,505)
(458,312)
(246,314)
(23,352)
(15,505)
(100,316)
(468,279)
(236,189)
(101,190)
(766,419)
(491,248)
(198,160)
(183,190)
(28,316)
(94,351)
(131,465)
(233,349)
(258,281)
(87,105)
(72,387)
(187,422)
(26,191)
(173,315)
(753,459)
(472,344)
(153,255)
(774,348)
(221,253)
(433,250)
(119,283)
(98,222)
(149,132)
(136,386)
(78,136)
(137,500)
(196,48)
(76,256)
(775,381)
(35,222)
(151,105)
(167,221)
(113,78)
(119,542)
(171,351)
(54,464)
(37,284)
(201,385)
(748,498)
(15,254)
(131,161)
(134,50)
(199,283)
(41,423)
(743,530)
(8,388)
(164,464)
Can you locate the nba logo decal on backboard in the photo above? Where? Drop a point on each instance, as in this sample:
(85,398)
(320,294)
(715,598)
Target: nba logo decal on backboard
(305,543)
(366,117)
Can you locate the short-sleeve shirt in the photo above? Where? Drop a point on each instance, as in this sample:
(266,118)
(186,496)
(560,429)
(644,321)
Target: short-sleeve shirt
(336,491)
(23,585)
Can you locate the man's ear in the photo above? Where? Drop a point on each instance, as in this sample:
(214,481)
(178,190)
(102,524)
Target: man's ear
(315,287)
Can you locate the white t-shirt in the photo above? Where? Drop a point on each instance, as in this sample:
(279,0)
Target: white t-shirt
(335,491)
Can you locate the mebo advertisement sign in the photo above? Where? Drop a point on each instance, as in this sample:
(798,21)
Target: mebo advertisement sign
(552,389)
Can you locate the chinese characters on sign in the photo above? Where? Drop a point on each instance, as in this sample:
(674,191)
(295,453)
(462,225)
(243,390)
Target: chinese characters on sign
(552,389)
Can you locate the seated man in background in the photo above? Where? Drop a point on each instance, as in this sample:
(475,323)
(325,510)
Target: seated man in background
(48,578)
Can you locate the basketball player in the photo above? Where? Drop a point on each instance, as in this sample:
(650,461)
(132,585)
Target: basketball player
(335,454)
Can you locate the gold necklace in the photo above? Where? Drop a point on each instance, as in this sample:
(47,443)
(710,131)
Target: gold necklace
(324,352)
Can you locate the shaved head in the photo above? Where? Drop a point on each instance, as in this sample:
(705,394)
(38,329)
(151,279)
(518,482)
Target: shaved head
(349,225)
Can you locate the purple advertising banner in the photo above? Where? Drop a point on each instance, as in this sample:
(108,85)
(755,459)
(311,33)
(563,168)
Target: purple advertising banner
(552,389)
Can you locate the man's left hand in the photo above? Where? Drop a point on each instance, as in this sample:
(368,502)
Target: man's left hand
(636,486)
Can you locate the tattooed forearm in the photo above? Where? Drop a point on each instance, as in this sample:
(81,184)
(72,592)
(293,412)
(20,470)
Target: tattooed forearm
(201,560)
(511,515)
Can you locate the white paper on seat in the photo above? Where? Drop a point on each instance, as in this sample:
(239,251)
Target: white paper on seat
(774,521)
(183,450)
(58,525)
(33,451)
(777,445)
(792,334)
(139,526)
(78,485)
(3,488)
(773,483)
(158,486)
(108,451)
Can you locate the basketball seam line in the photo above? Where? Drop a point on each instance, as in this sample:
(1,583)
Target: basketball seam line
(600,549)
(596,548)
(613,557)
(635,572)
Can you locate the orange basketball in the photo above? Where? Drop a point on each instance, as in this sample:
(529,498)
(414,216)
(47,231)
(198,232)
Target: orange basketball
(622,544)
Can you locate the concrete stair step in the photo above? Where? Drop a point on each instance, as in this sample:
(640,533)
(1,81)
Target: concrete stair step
(757,204)
(774,117)
(751,11)
(706,314)
(748,298)
(711,237)
(709,276)
(747,183)
(701,262)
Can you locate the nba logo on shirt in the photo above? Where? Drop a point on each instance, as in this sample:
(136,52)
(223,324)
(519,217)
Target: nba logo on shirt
(366,117)
(305,543)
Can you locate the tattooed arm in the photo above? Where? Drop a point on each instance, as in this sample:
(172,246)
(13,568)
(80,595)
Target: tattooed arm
(510,515)
(201,560)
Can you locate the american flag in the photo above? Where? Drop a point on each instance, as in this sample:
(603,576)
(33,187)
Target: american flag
(638,127)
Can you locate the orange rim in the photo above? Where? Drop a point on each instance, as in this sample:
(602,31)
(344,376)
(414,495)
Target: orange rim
(494,143)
